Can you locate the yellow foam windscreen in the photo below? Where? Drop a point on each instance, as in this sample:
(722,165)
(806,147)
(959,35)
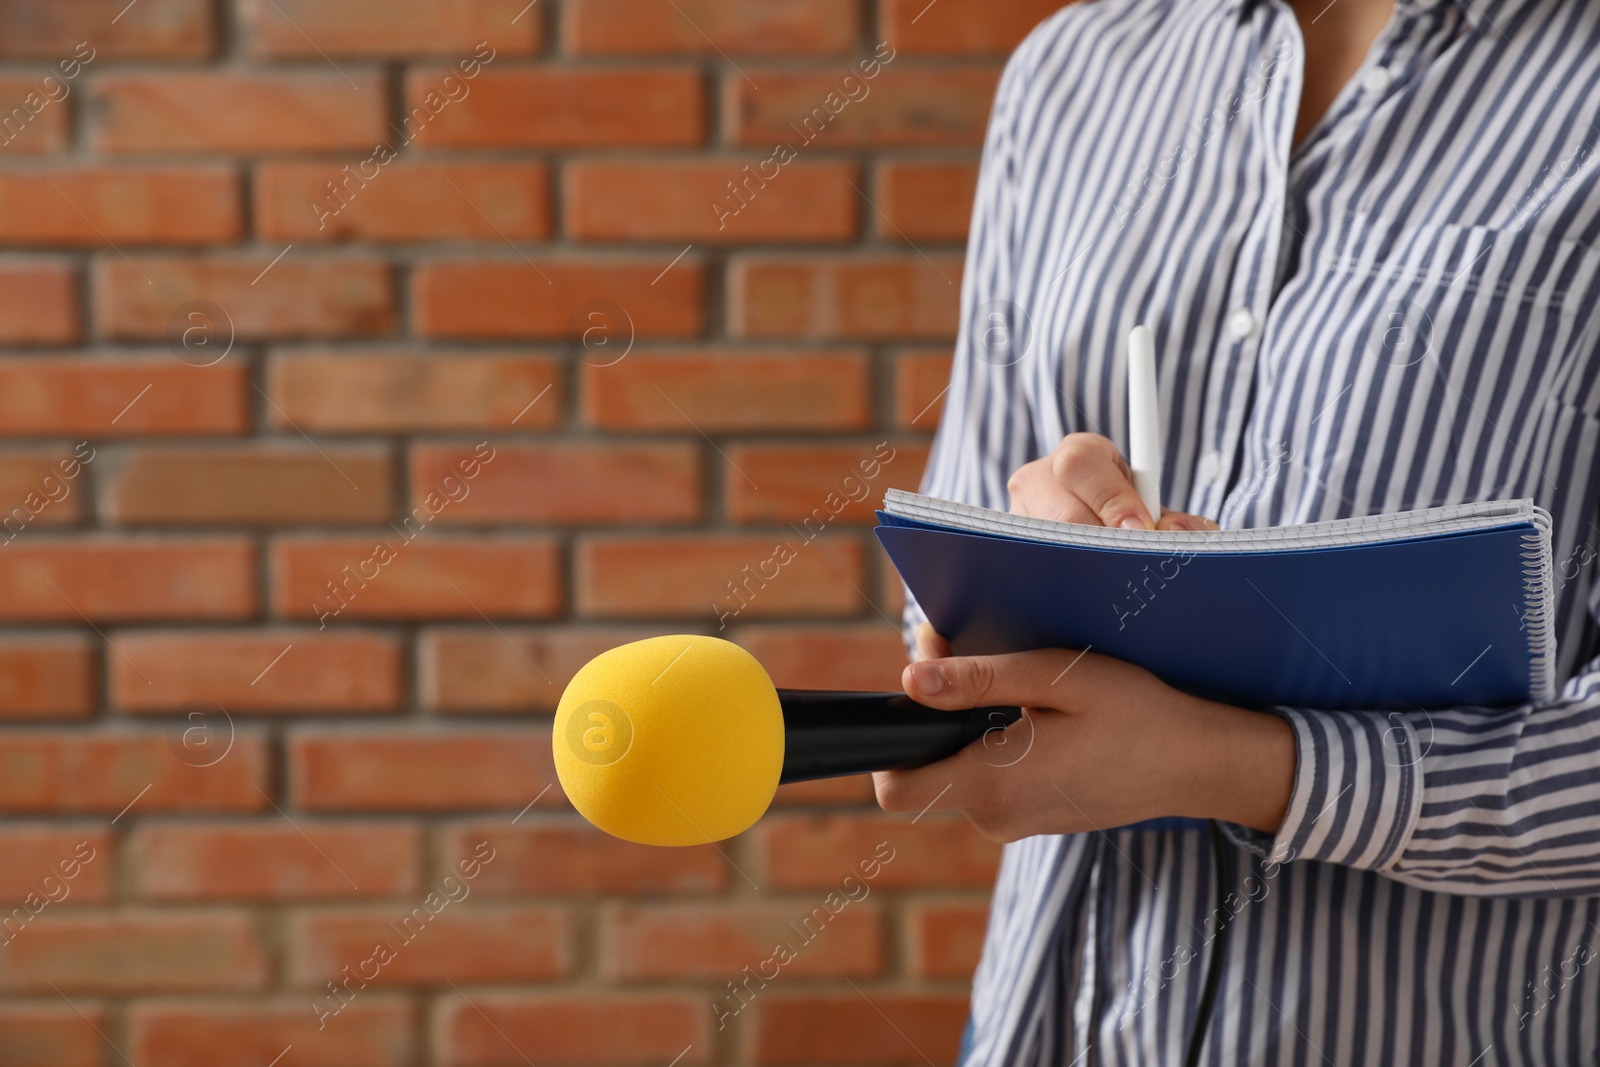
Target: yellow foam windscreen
(674,740)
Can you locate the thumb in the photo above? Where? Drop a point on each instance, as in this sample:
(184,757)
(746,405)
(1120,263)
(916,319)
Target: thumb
(1019,678)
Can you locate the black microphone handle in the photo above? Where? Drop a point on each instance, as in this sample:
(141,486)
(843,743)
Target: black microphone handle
(828,734)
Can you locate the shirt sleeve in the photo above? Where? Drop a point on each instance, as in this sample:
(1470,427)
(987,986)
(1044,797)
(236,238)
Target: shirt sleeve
(1469,801)
(986,430)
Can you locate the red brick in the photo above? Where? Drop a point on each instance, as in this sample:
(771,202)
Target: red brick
(819,484)
(563,855)
(122,581)
(409,392)
(685,200)
(877,1026)
(36,492)
(512,669)
(718,940)
(506,299)
(552,107)
(47,677)
(866,656)
(322,297)
(566,482)
(461,942)
(31,122)
(430,576)
(239,112)
(903,107)
(52,1034)
(39,304)
(705,27)
(122,206)
(707,391)
(107,397)
(77,861)
(135,952)
(962,27)
(645,1029)
(275,861)
(880,297)
(150,29)
(402,201)
(375,1031)
(256,670)
(815,851)
(946,938)
(650,577)
(287,28)
(108,772)
(925,201)
(265,484)
(921,380)
(421,770)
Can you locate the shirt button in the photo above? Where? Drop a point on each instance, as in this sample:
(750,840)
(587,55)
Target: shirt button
(1210,466)
(1377,80)
(1242,324)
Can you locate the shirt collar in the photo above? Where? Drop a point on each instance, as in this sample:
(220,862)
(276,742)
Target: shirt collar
(1479,13)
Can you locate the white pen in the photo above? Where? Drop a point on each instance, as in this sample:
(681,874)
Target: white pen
(1144,420)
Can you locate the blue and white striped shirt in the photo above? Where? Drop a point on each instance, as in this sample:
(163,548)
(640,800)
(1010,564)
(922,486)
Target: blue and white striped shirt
(1399,312)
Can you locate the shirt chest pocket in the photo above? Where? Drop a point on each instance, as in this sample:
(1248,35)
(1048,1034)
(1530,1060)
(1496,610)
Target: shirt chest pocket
(1473,322)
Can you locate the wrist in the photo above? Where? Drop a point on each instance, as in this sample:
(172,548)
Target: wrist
(1243,766)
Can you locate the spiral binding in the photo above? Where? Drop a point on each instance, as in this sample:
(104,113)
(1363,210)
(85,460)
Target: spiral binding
(1539,611)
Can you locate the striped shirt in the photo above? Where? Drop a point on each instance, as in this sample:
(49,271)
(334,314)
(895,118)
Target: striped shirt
(1399,312)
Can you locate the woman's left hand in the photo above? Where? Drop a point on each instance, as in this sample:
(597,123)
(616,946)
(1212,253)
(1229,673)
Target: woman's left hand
(1102,744)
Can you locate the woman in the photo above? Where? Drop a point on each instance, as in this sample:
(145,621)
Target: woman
(1366,234)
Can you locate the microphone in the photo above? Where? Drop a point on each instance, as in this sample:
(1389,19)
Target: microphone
(683,739)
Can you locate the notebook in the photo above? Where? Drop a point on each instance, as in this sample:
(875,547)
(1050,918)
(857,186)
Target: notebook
(1441,607)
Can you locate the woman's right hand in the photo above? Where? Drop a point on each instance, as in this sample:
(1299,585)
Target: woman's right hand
(1086,480)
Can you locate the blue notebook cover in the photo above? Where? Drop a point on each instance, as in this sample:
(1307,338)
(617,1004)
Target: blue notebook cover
(1423,610)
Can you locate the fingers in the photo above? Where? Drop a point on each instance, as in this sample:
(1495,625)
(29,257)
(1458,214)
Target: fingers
(1030,679)
(977,781)
(1036,493)
(930,645)
(920,789)
(1097,475)
(1085,480)
(1178,520)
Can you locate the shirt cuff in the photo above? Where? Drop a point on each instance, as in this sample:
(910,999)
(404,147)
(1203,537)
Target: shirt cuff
(1357,791)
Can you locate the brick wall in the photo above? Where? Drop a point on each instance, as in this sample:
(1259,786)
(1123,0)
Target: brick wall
(368,367)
